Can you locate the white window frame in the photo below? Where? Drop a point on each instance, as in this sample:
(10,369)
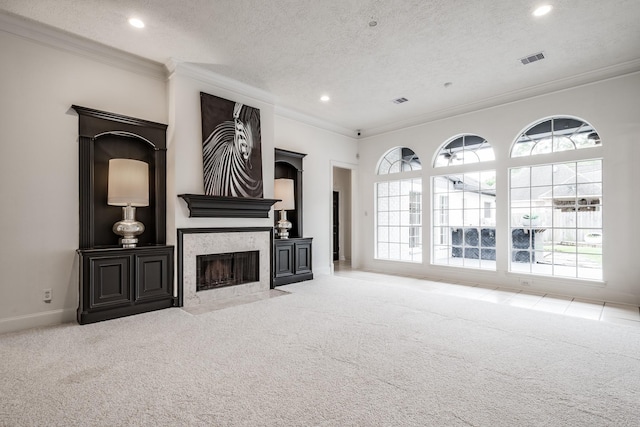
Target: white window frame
(398,216)
(546,256)
(458,156)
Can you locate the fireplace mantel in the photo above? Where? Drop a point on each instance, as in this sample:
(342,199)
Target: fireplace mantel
(203,206)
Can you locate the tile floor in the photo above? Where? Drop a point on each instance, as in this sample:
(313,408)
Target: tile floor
(576,307)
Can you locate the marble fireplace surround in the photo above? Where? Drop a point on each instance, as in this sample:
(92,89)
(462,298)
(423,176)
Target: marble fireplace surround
(206,241)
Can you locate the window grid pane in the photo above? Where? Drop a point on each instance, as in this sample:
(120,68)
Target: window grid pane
(557,231)
(464,220)
(399,159)
(464,150)
(399,220)
(555,135)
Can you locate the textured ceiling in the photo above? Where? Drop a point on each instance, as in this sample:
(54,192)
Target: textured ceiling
(298,50)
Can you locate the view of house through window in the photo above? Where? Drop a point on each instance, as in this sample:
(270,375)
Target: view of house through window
(399,208)
(556,219)
(464,219)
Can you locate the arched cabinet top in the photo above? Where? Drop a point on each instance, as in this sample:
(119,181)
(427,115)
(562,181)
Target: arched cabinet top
(95,123)
(104,136)
(291,157)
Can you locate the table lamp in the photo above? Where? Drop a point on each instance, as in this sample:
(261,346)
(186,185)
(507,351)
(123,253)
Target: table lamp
(283,189)
(128,187)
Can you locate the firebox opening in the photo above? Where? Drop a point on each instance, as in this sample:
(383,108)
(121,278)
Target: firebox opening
(228,269)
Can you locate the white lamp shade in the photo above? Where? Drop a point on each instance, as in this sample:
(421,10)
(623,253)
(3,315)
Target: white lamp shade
(128,183)
(283,189)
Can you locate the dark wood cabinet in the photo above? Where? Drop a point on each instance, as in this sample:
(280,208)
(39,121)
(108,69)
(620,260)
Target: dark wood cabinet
(109,279)
(119,282)
(302,253)
(292,260)
(153,274)
(283,266)
(115,281)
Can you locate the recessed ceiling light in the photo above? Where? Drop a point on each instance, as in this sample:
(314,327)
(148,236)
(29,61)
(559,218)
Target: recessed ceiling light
(135,22)
(542,10)
(325,98)
(373,23)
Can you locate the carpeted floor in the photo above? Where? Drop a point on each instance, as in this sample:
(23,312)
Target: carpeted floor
(333,352)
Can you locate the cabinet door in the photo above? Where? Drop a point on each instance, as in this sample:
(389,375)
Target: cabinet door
(284,259)
(109,281)
(303,257)
(152,276)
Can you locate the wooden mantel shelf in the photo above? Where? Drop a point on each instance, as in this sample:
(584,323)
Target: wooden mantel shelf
(203,206)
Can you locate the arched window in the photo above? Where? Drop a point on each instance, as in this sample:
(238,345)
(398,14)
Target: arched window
(399,159)
(463,150)
(553,135)
(464,206)
(399,207)
(556,208)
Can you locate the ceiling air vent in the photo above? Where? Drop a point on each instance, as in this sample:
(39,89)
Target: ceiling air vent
(532,58)
(400,100)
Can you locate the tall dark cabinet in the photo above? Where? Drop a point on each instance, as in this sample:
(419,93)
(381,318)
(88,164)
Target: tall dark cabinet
(292,257)
(116,281)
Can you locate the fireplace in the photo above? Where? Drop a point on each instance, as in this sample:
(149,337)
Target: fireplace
(227,269)
(234,262)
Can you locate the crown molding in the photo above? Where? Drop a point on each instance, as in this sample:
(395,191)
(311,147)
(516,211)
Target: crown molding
(198,72)
(292,114)
(68,42)
(582,79)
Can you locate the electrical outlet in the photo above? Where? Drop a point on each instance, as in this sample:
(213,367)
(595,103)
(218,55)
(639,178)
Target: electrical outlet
(47,295)
(525,282)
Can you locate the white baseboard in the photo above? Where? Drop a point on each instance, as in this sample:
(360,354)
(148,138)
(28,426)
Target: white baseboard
(37,320)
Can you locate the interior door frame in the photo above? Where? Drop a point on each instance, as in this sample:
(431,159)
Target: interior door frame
(354,203)
(335,225)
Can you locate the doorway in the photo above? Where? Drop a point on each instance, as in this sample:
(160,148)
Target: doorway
(341,227)
(336,226)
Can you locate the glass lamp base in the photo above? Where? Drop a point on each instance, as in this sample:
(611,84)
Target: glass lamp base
(128,227)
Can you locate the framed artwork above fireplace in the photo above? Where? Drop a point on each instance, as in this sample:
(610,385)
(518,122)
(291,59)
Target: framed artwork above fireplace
(231,148)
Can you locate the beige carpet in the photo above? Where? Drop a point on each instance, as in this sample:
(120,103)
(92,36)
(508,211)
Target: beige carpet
(334,352)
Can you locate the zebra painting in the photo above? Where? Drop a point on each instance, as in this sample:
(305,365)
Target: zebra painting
(231,148)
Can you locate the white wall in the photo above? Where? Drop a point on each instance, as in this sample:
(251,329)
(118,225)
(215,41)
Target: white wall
(324,149)
(611,106)
(39,165)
